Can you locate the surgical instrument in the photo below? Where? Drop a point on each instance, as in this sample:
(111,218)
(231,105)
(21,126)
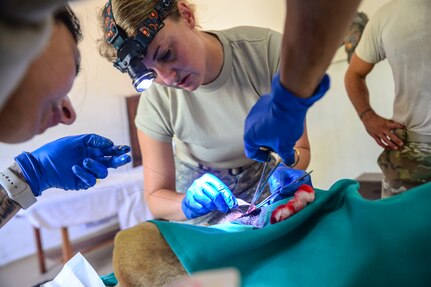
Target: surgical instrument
(277,192)
(263,180)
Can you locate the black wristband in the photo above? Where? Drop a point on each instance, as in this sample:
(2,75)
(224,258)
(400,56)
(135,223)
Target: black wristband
(361,115)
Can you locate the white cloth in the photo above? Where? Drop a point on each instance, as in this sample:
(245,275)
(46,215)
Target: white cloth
(121,194)
(400,31)
(77,272)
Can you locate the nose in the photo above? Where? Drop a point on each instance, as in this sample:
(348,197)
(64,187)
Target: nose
(167,76)
(67,112)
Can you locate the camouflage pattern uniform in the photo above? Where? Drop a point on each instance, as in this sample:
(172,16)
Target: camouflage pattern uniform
(241,181)
(407,167)
(354,33)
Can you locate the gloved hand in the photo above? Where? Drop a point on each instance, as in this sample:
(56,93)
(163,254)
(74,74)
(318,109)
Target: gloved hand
(71,163)
(276,122)
(206,194)
(282,177)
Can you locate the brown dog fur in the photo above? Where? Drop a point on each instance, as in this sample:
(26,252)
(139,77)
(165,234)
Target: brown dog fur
(143,258)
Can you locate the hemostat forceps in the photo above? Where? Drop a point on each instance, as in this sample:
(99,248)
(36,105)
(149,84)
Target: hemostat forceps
(264,179)
(277,192)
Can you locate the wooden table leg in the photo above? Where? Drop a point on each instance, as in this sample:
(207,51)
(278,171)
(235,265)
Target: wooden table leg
(39,248)
(66,247)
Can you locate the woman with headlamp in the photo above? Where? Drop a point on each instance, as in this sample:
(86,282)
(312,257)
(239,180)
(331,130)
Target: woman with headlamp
(205,84)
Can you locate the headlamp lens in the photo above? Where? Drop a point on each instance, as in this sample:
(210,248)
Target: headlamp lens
(144,81)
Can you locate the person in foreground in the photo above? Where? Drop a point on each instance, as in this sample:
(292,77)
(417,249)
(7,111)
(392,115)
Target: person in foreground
(40,101)
(205,86)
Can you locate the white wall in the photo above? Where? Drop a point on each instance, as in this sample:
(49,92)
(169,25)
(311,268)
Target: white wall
(340,146)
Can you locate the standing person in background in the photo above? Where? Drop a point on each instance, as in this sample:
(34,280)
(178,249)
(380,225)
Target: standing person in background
(399,32)
(37,99)
(206,83)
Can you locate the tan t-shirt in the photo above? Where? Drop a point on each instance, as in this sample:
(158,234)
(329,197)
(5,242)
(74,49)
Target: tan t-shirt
(401,32)
(207,125)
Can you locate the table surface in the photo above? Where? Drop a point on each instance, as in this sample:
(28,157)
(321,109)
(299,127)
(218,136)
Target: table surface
(121,194)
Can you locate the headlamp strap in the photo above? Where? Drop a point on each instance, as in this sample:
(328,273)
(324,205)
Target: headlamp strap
(114,34)
(146,32)
(153,23)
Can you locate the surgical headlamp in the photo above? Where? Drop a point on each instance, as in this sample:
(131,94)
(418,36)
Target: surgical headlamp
(131,51)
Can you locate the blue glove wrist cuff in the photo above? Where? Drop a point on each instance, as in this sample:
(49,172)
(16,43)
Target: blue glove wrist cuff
(29,166)
(288,101)
(188,212)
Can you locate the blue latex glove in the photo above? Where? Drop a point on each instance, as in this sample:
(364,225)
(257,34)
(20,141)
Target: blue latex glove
(282,177)
(206,194)
(71,163)
(276,122)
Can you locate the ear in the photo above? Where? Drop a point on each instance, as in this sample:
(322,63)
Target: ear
(187,14)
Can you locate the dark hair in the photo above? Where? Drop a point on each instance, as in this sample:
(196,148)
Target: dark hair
(66,16)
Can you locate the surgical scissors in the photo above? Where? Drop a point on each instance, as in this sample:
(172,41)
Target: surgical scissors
(264,179)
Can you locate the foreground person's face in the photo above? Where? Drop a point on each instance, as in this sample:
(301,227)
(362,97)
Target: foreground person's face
(40,101)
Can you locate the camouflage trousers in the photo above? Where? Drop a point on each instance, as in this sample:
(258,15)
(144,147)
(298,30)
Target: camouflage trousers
(241,181)
(407,167)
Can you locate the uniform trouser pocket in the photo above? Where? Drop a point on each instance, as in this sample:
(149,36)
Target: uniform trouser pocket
(405,168)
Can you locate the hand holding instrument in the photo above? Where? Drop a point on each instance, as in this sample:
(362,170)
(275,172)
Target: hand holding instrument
(278,191)
(71,163)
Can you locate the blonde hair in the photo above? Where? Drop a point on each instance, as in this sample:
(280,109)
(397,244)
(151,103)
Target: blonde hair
(128,14)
